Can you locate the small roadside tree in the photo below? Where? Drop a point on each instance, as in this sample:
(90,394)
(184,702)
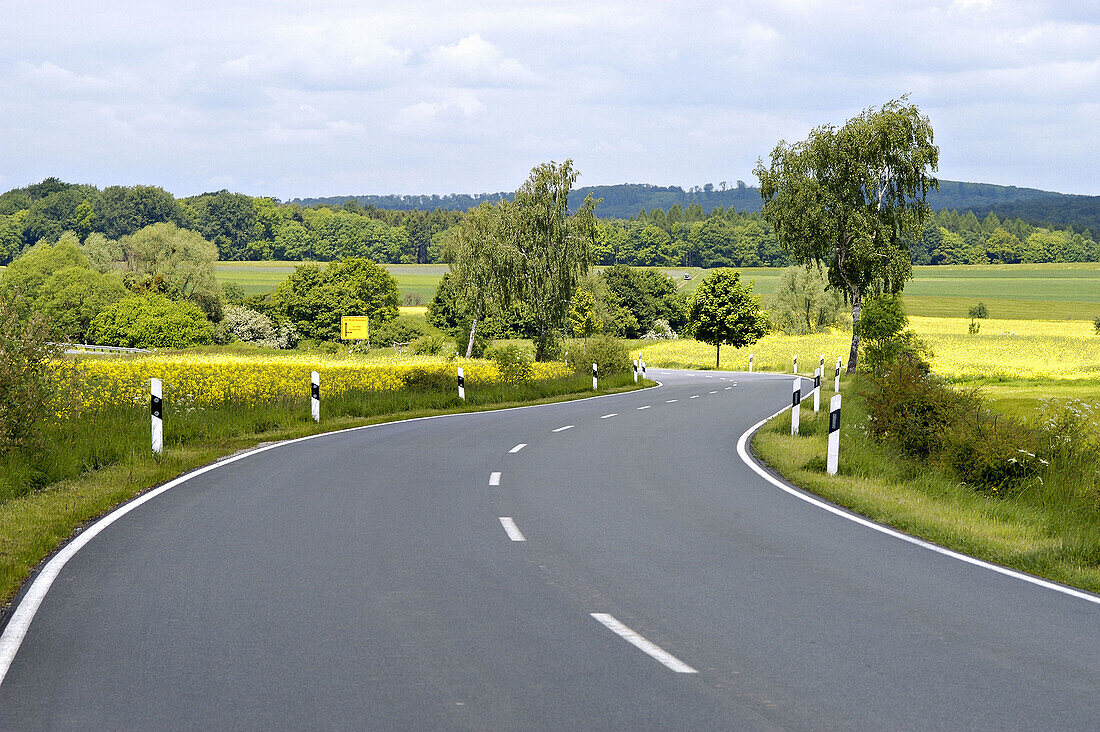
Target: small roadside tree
(724,311)
(852,198)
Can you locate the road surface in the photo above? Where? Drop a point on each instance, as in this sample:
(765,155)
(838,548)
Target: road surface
(610,563)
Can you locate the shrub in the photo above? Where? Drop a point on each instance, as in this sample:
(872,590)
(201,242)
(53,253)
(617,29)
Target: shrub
(661,331)
(29,387)
(429,345)
(912,409)
(512,361)
(610,355)
(1096,324)
(975,326)
(402,329)
(151,321)
(979,311)
(989,452)
(431,379)
(885,342)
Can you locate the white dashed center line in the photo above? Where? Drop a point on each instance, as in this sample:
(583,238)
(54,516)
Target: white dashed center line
(563,429)
(494,478)
(669,401)
(642,644)
(518,447)
(645,407)
(511,529)
(728,388)
(713,392)
(608,416)
(694,396)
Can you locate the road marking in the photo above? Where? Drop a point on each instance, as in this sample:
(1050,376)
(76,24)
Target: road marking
(645,407)
(518,447)
(669,401)
(723,378)
(728,388)
(563,429)
(735,383)
(511,529)
(694,397)
(608,416)
(494,478)
(742,451)
(713,392)
(642,644)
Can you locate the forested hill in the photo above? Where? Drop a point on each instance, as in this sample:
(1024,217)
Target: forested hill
(626,200)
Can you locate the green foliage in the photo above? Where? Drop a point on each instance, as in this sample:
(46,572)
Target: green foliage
(974,327)
(990,452)
(885,340)
(472,348)
(314,299)
(723,311)
(638,297)
(979,311)
(29,388)
(232,293)
(611,355)
(179,263)
(151,321)
(429,345)
(583,320)
(512,361)
(59,284)
(251,326)
(1096,324)
(852,198)
(803,302)
(402,329)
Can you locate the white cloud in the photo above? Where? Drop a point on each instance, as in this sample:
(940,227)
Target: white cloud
(476,62)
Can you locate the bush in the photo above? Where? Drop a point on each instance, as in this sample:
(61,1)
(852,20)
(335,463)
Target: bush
(912,409)
(462,340)
(431,379)
(402,329)
(979,311)
(885,342)
(610,354)
(1096,324)
(661,331)
(512,361)
(989,452)
(29,388)
(254,327)
(429,345)
(151,321)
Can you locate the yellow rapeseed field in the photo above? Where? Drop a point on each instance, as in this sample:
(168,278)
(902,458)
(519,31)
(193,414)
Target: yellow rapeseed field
(200,380)
(1024,349)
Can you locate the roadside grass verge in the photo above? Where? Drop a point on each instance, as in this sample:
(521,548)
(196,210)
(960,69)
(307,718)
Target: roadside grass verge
(93,463)
(1050,528)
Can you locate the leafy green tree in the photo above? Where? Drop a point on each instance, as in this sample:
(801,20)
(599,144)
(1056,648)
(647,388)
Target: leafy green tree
(11,235)
(314,299)
(29,272)
(151,321)
(724,311)
(123,210)
(177,262)
(475,253)
(1004,247)
(851,198)
(803,301)
(29,383)
(546,250)
(71,297)
(227,219)
(51,216)
(645,294)
(104,255)
(583,320)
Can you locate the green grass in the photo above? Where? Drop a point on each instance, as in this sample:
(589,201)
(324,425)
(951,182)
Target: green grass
(1010,291)
(78,475)
(1051,529)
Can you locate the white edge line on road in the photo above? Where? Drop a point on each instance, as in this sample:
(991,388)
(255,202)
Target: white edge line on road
(511,529)
(645,407)
(494,478)
(563,429)
(742,451)
(607,416)
(518,447)
(27,604)
(642,644)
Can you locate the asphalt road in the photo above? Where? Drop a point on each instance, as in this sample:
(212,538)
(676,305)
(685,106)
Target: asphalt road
(375,579)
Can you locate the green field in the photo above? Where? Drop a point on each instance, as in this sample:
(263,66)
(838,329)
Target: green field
(1010,291)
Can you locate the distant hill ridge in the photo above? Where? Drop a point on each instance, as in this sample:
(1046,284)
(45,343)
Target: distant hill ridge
(625,200)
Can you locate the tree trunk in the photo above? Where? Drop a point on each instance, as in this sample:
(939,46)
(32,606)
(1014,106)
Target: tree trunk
(470,344)
(853,355)
(718,356)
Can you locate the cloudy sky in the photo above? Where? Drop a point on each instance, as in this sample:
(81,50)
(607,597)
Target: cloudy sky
(272,97)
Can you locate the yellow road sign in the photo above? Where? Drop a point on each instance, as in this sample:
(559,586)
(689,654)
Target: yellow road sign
(354,327)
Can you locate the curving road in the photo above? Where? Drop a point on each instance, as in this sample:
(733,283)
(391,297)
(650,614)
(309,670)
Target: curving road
(609,563)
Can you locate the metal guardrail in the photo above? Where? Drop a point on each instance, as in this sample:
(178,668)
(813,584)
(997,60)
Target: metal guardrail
(74,348)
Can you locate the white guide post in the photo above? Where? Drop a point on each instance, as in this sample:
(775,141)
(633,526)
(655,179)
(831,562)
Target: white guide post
(461,384)
(315,395)
(636,370)
(836,379)
(833,458)
(817,390)
(796,402)
(594,387)
(156,409)
(822,366)
(750,363)
(795,364)
(643,370)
